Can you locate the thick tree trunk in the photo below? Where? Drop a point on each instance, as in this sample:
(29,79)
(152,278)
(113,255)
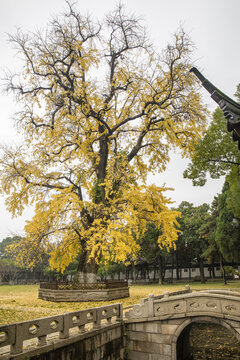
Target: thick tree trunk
(87,269)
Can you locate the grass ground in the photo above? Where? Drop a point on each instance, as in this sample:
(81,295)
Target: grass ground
(21,303)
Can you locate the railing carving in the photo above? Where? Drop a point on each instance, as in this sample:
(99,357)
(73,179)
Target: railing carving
(67,285)
(219,303)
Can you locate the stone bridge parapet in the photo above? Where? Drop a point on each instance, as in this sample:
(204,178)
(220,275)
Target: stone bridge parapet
(159,327)
(219,303)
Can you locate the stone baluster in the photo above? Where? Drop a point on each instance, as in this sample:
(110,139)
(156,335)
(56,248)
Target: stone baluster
(64,334)
(97,322)
(17,347)
(150,305)
(166,294)
(120,316)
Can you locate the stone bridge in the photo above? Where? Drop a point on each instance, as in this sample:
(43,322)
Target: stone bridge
(156,329)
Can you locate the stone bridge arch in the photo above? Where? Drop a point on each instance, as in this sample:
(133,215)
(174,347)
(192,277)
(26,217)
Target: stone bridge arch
(159,326)
(180,340)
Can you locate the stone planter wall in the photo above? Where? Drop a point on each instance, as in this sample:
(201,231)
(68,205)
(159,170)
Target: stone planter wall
(83,295)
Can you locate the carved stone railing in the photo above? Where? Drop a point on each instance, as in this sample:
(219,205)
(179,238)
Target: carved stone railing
(219,303)
(67,285)
(17,335)
(174,293)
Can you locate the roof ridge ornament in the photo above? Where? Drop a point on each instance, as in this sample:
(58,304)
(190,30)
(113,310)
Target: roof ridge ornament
(230,108)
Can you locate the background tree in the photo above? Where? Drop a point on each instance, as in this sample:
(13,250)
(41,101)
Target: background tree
(8,270)
(211,253)
(192,238)
(233,194)
(100,108)
(110,269)
(8,267)
(12,265)
(4,254)
(218,155)
(215,154)
(228,229)
(152,253)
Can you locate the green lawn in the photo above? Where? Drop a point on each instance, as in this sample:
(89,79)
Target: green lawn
(20,302)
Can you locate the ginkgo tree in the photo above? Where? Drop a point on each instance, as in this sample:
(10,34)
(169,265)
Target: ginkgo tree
(100,108)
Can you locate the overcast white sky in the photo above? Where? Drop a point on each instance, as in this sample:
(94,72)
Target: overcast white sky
(214,27)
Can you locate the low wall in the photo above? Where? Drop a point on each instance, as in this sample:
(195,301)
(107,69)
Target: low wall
(88,334)
(83,295)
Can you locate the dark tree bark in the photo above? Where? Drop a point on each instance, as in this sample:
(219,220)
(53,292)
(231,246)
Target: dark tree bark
(87,269)
(223,270)
(161,271)
(201,268)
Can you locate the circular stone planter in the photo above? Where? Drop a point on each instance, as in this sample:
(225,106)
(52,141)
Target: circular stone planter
(83,295)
